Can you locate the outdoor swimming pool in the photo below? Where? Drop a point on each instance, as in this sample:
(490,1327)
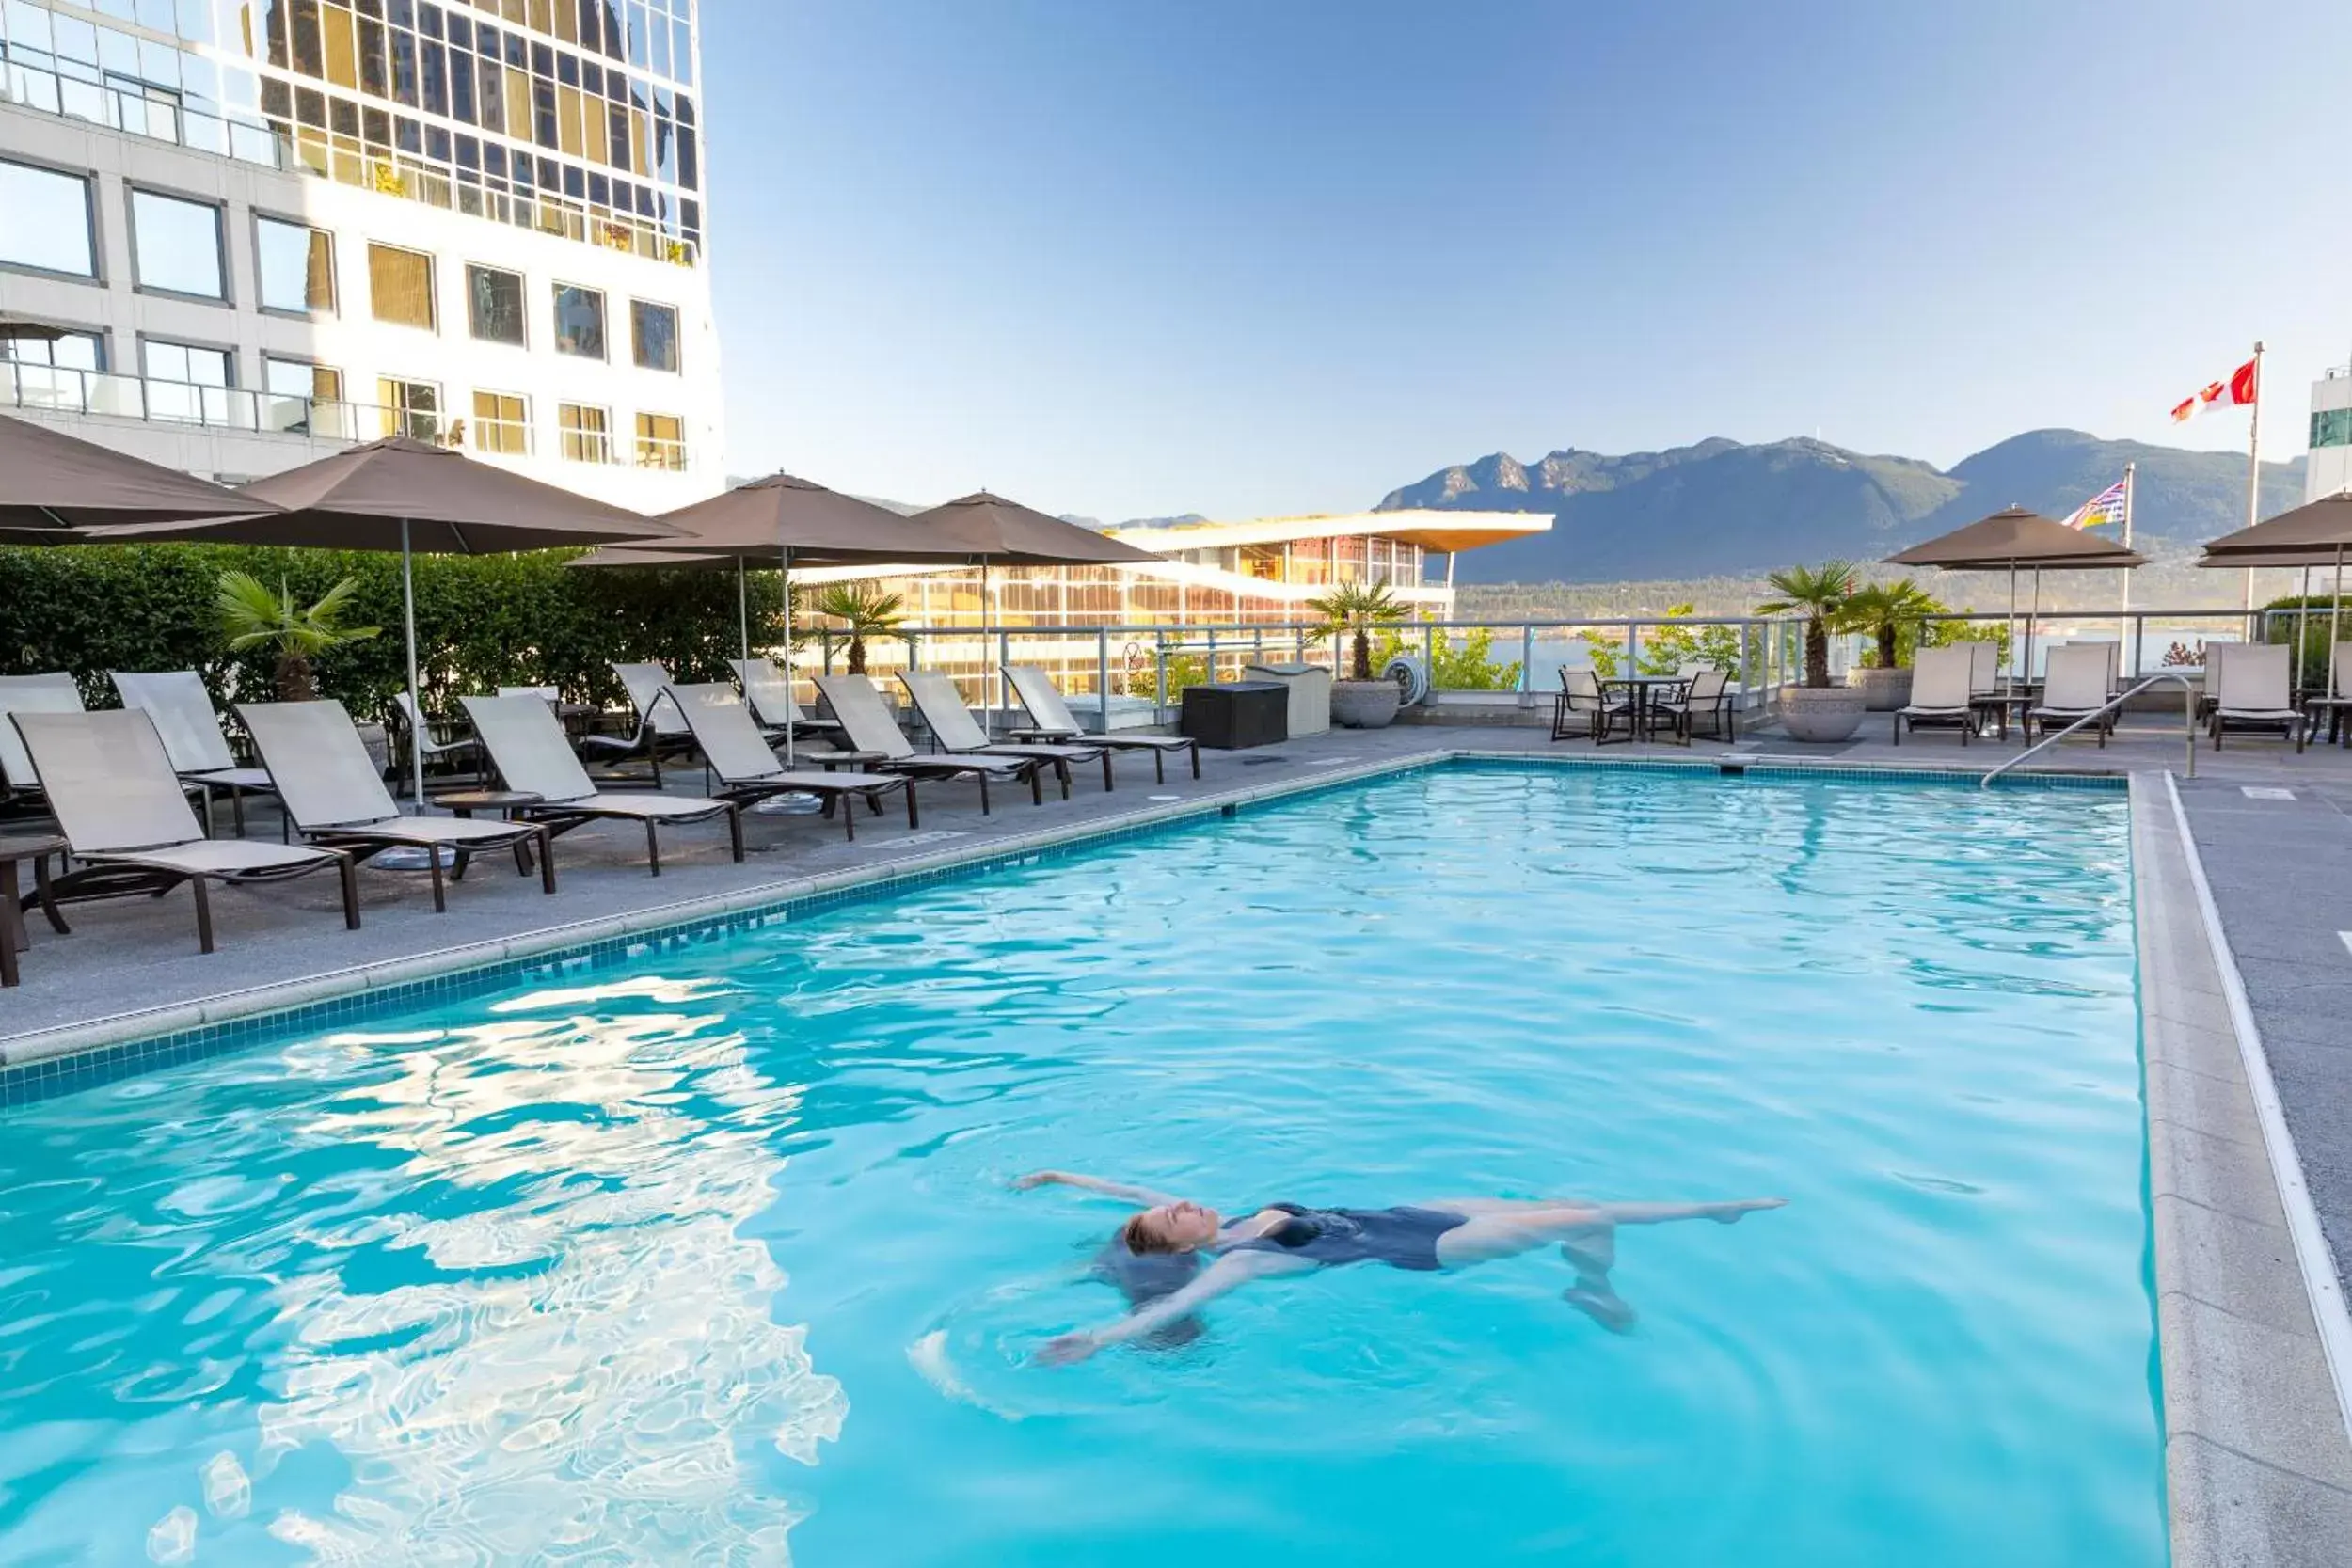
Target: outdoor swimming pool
(711,1256)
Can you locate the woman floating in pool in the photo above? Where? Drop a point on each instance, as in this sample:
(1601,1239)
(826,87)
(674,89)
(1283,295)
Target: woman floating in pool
(1157,1256)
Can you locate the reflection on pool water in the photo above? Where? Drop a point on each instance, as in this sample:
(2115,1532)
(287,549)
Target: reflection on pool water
(713,1257)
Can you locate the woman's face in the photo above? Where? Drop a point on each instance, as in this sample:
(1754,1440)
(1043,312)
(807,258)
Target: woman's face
(1181,1226)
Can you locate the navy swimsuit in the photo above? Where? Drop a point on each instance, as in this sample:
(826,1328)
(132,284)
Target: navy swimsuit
(1403,1238)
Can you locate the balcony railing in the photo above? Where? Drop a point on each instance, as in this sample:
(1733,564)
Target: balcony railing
(58,391)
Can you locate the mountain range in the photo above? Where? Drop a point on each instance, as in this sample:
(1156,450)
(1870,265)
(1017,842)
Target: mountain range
(1724,507)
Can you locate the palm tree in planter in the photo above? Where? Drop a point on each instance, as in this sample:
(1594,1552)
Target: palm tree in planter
(253,617)
(1815,710)
(1361,701)
(1883,612)
(863,610)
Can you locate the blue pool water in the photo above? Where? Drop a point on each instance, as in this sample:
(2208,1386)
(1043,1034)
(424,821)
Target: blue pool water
(713,1258)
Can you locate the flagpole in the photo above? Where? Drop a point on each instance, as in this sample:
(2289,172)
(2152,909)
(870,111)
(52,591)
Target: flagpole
(2128,485)
(2254,474)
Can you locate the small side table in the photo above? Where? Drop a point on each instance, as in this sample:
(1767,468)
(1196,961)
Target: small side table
(503,801)
(36,849)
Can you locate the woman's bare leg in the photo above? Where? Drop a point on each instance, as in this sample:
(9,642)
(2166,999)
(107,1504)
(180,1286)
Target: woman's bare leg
(1495,1228)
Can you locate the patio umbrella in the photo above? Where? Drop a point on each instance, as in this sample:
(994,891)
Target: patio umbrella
(2318,533)
(2013,538)
(51,485)
(409,495)
(1005,532)
(785,519)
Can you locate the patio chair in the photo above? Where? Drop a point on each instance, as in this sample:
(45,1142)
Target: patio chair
(2075,685)
(409,728)
(1941,691)
(662,730)
(1581,694)
(125,811)
(524,743)
(331,791)
(1707,694)
(184,716)
(1984,666)
(50,694)
(2257,693)
(771,696)
(873,732)
(1051,719)
(744,764)
(2332,705)
(955,729)
(2209,697)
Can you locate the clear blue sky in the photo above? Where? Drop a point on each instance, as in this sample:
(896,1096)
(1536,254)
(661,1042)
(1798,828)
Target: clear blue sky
(1241,258)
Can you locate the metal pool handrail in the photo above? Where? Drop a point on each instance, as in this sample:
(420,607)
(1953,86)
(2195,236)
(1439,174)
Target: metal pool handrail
(2188,722)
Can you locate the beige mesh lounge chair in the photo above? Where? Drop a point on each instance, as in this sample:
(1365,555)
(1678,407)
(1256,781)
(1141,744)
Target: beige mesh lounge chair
(410,721)
(874,733)
(2329,707)
(739,756)
(2075,687)
(117,802)
(2257,693)
(182,711)
(332,791)
(1051,719)
(661,727)
(957,732)
(1941,691)
(50,694)
(771,696)
(525,744)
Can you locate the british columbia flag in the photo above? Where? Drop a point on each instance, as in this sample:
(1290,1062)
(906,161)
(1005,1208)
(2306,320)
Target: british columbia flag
(2102,509)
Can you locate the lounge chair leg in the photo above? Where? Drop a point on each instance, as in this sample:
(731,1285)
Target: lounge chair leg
(203,915)
(1159,766)
(47,896)
(348,871)
(546,861)
(1037,784)
(912,820)
(236,809)
(1196,759)
(1106,770)
(653,848)
(735,830)
(983,793)
(440,895)
(849,818)
(1061,777)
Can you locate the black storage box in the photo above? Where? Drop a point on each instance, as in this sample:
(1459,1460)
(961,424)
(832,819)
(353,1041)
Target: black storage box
(1240,714)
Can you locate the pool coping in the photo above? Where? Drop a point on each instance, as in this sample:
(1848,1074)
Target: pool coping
(2257,1428)
(2258,1459)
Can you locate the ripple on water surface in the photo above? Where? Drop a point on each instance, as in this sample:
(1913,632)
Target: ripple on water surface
(713,1259)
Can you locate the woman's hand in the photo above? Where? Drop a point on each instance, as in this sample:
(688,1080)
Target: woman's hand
(1068,1349)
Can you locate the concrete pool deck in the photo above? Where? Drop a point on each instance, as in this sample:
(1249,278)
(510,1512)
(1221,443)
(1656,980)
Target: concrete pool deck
(2258,1460)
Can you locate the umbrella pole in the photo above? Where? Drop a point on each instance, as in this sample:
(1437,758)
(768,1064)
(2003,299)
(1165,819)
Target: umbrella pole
(990,715)
(2012,631)
(415,695)
(2031,616)
(743,607)
(791,731)
(2335,623)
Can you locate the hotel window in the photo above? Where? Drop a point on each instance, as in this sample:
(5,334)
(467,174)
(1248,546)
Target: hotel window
(296,390)
(49,220)
(399,286)
(187,363)
(579,321)
(501,425)
(2331,427)
(75,350)
(411,408)
(661,442)
(493,305)
(655,329)
(587,432)
(296,266)
(175,246)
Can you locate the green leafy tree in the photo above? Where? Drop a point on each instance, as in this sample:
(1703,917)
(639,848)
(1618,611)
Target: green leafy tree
(1820,594)
(1355,609)
(1461,662)
(1890,614)
(863,610)
(1666,649)
(253,617)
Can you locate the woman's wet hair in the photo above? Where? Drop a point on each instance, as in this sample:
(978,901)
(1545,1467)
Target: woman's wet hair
(1141,1238)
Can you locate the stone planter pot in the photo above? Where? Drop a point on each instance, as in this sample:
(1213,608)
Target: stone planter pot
(1882,691)
(1364,704)
(1821,715)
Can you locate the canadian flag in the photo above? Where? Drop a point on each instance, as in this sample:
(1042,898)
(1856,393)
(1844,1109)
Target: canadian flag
(2236,391)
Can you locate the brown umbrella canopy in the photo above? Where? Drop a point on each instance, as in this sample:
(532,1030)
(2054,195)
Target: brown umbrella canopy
(2308,536)
(820,526)
(2014,537)
(1007,532)
(51,482)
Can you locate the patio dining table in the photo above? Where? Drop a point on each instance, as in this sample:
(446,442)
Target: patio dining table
(1642,688)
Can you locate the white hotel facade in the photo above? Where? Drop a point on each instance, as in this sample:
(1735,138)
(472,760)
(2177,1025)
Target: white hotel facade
(236,235)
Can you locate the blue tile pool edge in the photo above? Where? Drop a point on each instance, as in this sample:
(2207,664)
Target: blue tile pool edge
(103,1050)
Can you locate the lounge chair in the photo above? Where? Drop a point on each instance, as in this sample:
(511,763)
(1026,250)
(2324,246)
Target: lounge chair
(50,694)
(1707,695)
(1941,691)
(331,791)
(525,744)
(2257,693)
(182,711)
(1581,694)
(1051,719)
(745,765)
(2330,705)
(875,734)
(409,720)
(2209,697)
(118,802)
(771,696)
(957,732)
(2075,685)
(661,727)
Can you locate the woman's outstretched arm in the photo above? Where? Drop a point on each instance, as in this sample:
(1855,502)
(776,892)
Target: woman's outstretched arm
(1229,1273)
(1142,1197)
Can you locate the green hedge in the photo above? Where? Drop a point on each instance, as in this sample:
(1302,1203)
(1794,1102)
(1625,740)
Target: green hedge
(482,621)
